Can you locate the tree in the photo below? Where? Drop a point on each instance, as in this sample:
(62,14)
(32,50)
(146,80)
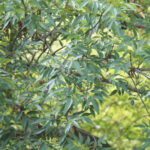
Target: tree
(60,60)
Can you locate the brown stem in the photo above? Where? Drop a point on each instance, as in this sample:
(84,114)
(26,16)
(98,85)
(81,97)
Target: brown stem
(138,25)
(25,8)
(58,50)
(91,30)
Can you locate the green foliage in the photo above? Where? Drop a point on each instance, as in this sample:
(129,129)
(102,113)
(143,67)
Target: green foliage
(62,62)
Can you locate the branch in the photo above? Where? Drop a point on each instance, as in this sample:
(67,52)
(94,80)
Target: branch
(48,46)
(130,88)
(138,25)
(51,33)
(54,39)
(56,132)
(86,134)
(32,59)
(53,54)
(144,69)
(145,75)
(25,8)
(92,29)
(44,50)
(141,97)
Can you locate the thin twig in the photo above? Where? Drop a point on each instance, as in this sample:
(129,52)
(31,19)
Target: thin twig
(54,31)
(32,59)
(44,50)
(137,88)
(131,60)
(138,25)
(25,8)
(49,47)
(51,33)
(41,54)
(54,53)
(92,28)
(140,97)
(54,39)
(145,75)
(27,59)
(144,69)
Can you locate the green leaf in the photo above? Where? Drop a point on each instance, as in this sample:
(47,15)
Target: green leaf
(67,105)
(84,3)
(44,26)
(25,123)
(38,107)
(113,92)
(73,3)
(67,127)
(87,142)
(88,120)
(147,95)
(75,123)
(51,84)
(96,106)
(18,116)
(39,131)
(77,66)
(44,146)
(101,139)
(107,10)
(51,21)
(5,25)
(62,138)
(132,103)
(80,138)
(77,20)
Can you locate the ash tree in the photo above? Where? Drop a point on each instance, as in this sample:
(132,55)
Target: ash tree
(60,60)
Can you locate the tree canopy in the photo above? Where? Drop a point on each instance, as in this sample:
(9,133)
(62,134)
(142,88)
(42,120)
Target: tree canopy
(74,74)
